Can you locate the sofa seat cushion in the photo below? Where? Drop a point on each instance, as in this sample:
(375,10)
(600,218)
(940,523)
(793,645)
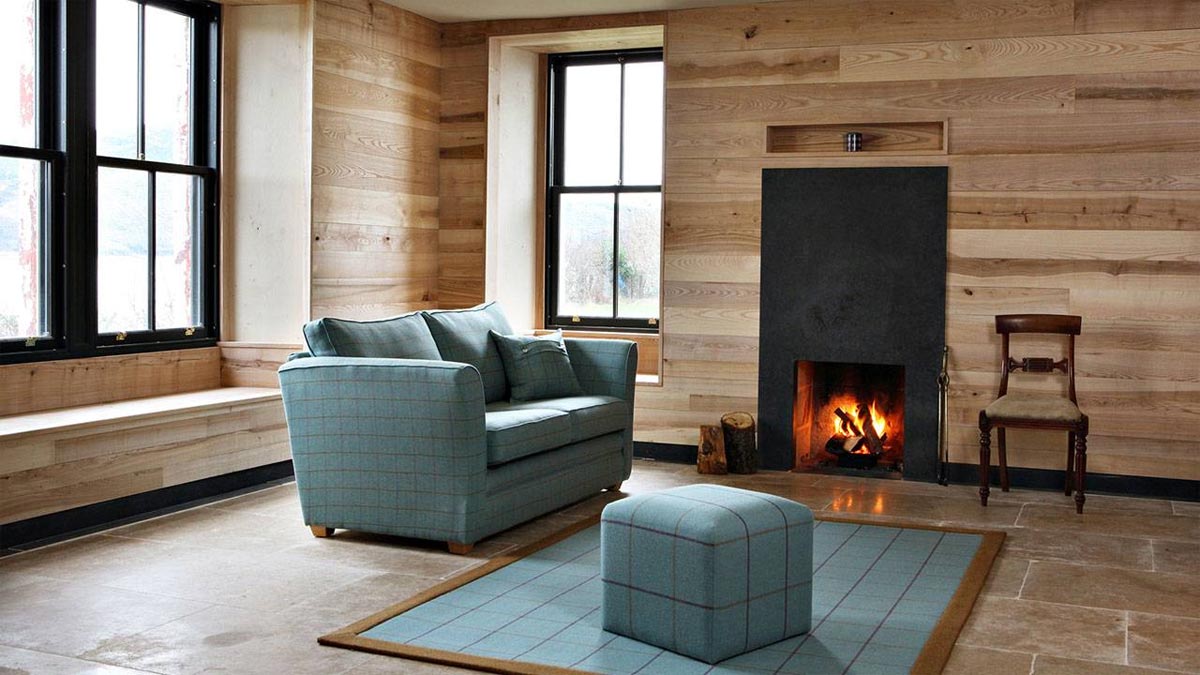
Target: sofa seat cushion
(590,416)
(513,434)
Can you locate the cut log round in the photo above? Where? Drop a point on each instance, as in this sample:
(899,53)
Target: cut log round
(741,447)
(710,458)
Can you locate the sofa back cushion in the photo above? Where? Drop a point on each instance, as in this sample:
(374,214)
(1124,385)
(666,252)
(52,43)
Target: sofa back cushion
(537,367)
(400,337)
(462,335)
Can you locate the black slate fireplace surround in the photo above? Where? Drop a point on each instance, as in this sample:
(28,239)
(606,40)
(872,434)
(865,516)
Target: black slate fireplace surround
(853,271)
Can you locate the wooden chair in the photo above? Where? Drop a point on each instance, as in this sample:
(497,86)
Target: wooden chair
(1028,411)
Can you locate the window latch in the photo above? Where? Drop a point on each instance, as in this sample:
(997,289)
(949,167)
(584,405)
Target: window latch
(31,341)
(190,331)
(574,319)
(121,336)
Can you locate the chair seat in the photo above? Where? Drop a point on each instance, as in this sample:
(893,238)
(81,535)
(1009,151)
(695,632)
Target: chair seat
(1034,408)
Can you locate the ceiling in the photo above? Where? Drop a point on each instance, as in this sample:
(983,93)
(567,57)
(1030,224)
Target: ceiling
(450,11)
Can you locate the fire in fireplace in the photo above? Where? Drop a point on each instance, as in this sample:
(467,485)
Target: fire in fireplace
(849,415)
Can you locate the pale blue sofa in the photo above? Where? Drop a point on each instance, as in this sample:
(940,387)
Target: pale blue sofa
(431,447)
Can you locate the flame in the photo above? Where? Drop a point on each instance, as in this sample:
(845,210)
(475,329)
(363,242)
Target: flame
(878,421)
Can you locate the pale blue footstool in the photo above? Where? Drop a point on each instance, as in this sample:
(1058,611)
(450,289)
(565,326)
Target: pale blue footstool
(706,571)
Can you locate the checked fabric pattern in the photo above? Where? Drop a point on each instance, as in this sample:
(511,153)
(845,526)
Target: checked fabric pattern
(462,335)
(707,571)
(536,367)
(409,447)
(400,337)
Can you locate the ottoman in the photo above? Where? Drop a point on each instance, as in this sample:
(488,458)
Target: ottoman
(706,571)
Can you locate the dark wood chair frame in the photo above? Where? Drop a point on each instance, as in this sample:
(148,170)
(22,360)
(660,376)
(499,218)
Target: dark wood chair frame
(1009,324)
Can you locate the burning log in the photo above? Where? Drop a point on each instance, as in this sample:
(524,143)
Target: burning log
(846,419)
(741,449)
(711,456)
(874,442)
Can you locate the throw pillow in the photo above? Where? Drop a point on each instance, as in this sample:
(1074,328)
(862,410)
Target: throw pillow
(400,337)
(537,367)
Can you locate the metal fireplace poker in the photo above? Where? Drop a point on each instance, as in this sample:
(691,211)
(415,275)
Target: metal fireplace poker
(943,382)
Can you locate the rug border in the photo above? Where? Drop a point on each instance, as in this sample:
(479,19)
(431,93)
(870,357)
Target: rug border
(932,659)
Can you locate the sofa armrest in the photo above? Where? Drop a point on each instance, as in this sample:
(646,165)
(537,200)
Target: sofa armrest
(605,367)
(386,445)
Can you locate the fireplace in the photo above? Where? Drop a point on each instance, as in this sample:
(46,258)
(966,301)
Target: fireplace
(849,416)
(852,313)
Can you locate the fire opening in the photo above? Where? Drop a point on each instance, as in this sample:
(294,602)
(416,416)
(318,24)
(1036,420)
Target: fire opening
(849,415)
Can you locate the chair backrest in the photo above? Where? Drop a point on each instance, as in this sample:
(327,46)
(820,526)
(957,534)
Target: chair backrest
(1060,324)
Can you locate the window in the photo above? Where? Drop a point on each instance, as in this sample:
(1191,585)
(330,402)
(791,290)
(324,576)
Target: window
(604,192)
(108,240)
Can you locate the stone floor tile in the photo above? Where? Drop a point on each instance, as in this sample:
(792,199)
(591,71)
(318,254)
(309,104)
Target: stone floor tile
(1182,557)
(1007,576)
(1046,628)
(220,528)
(1054,665)
(69,619)
(1169,642)
(1099,521)
(1114,588)
(15,661)
(232,639)
(961,511)
(1081,548)
(965,660)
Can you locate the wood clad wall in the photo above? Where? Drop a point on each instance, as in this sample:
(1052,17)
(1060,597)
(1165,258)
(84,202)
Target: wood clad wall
(463,141)
(50,385)
(1074,187)
(375,160)
(1074,155)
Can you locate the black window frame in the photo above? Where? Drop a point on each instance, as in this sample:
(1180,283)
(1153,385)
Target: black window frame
(555,187)
(67,141)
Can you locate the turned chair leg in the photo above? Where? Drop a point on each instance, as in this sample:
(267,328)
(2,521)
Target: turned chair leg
(1080,465)
(1003,460)
(1070,477)
(459,549)
(320,531)
(615,487)
(985,457)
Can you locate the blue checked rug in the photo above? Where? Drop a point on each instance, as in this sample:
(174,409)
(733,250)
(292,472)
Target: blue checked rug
(886,599)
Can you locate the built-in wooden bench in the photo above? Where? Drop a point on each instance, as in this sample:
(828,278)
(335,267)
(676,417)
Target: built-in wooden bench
(81,432)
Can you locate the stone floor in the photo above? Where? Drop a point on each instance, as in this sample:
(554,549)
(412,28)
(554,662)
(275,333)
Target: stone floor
(241,586)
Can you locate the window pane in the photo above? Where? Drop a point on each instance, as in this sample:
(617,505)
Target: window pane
(168,86)
(640,245)
(174,257)
(585,243)
(21,269)
(123,265)
(592,134)
(643,123)
(18,73)
(116,78)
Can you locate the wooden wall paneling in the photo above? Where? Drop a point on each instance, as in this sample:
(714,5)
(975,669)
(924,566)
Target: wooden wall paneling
(376,124)
(254,364)
(841,101)
(1115,16)
(47,385)
(846,22)
(1072,153)
(1075,210)
(1022,56)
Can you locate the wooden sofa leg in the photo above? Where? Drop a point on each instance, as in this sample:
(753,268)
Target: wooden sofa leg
(459,549)
(615,487)
(320,531)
